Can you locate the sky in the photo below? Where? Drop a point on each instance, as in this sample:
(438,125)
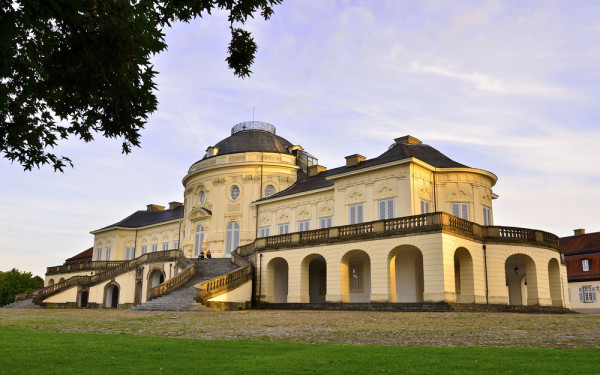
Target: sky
(512,87)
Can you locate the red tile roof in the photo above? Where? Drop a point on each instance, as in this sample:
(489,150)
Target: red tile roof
(84,256)
(576,248)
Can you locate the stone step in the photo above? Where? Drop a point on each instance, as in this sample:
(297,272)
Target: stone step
(182,299)
(24,304)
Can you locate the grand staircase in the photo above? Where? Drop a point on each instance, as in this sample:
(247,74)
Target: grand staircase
(182,299)
(24,304)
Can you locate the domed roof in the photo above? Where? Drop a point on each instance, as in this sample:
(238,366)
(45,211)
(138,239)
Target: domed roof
(252,136)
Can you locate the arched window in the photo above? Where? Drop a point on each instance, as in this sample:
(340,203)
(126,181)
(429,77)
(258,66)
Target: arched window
(199,240)
(202,197)
(269,190)
(233,238)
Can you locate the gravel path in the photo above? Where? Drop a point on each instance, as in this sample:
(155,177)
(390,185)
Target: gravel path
(347,327)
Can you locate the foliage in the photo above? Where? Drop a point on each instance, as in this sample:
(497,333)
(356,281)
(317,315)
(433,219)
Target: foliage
(14,282)
(82,67)
(93,353)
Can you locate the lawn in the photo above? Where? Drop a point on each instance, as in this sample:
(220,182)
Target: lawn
(115,341)
(32,352)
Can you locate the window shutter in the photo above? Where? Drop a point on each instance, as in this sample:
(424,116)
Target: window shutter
(360,213)
(581,294)
(455,209)
(382,209)
(352,215)
(465,211)
(593,293)
(390,208)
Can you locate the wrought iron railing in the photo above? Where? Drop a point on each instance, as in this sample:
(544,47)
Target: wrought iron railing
(253,125)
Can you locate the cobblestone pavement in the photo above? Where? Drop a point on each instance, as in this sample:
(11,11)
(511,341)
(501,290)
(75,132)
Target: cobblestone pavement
(347,327)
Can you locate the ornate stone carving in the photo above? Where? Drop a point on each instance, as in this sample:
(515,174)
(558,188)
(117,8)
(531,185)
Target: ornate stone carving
(219,180)
(425,193)
(264,220)
(326,210)
(303,212)
(283,216)
(459,195)
(354,196)
(385,191)
(233,207)
(248,177)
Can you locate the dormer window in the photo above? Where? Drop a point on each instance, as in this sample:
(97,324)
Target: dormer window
(585,265)
(212,151)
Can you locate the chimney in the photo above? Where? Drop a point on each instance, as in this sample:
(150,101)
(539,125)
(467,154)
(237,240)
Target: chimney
(407,139)
(314,170)
(154,207)
(579,232)
(353,160)
(173,205)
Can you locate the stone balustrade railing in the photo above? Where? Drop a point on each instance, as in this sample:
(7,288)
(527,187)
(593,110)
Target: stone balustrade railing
(436,221)
(120,268)
(173,283)
(82,267)
(223,284)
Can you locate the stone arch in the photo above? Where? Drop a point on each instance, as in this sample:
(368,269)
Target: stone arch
(82,298)
(61,280)
(155,277)
(111,295)
(554,281)
(277,280)
(521,280)
(356,276)
(405,269)
(464,276)
(50,282)
(313,278)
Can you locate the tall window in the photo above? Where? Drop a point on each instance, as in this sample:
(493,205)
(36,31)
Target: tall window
(284,228)
(386,208)
(176,244)
(303,225)
(108,250)
(356,277)
(355,213)
(264,231)
(202,197)
(154,247)
(99,254)
(129,252)
(585,265)
(487,216)
(461,210)
(144,249)
(198,240)
(587,293)
(425,207)
(165,246)
(233,238)
(326,222)
(269,190)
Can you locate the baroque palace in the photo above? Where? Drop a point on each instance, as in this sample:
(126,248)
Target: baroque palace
(408,226)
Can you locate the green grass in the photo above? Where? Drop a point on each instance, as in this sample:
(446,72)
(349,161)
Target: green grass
(38,352)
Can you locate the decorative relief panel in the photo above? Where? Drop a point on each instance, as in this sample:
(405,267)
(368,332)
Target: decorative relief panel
(425,192)
(385,191)
(271,157)
(237,158)
(219,180)
(459,195)
(325,210)
(283,216)
(264,220)
(303,212)
(233,207)
(355,195)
